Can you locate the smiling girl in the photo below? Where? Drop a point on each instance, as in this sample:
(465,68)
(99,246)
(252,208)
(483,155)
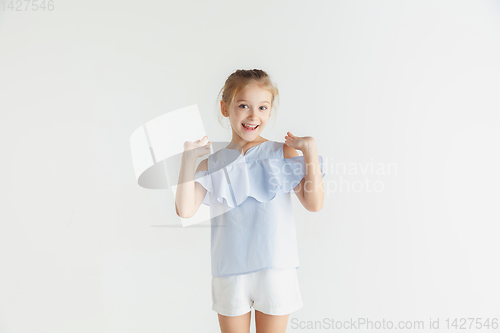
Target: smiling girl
(248,186)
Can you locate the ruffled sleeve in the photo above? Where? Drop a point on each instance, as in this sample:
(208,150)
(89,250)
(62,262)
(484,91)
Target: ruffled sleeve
(205,179)
(260,179)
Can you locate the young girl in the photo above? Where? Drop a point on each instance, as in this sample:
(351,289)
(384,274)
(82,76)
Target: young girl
(248,187)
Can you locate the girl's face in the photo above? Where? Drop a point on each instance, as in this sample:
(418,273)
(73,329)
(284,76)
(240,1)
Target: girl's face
(251,106)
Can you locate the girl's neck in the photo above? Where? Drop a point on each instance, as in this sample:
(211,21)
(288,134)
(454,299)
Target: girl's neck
(238,142)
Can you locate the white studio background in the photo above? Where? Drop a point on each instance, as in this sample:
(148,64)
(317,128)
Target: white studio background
(404,94)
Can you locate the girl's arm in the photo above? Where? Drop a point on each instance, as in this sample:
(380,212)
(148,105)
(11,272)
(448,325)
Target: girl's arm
(310,190)
(189,195)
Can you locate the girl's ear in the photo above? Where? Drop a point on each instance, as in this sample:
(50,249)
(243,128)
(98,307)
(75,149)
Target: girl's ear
(223,108)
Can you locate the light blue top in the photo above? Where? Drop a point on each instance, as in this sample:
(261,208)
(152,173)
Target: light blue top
(251,213)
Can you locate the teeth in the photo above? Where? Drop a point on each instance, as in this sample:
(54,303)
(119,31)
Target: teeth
(250,126)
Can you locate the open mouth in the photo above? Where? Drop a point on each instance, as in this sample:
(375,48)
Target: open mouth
(249,128)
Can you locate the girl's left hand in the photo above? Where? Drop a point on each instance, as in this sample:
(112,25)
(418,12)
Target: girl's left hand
(299,142)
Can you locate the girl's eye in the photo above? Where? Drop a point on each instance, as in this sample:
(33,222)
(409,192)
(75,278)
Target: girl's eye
(244,106)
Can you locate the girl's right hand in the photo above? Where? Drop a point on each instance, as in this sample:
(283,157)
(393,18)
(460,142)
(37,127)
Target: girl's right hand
(198,148)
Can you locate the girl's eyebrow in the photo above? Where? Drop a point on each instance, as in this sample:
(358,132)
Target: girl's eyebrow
(242,100)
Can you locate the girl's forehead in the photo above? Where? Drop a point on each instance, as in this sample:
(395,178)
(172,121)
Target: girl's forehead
(253,90)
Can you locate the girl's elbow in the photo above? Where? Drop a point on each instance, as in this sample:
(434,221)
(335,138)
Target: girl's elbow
(185,216)
(315,208)
(182,214)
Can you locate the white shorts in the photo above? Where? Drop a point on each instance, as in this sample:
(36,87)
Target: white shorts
(271,291)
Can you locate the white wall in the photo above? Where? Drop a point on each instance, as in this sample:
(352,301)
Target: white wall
(409,88)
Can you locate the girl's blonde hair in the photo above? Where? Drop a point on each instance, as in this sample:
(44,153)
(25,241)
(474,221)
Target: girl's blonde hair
(242,78)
